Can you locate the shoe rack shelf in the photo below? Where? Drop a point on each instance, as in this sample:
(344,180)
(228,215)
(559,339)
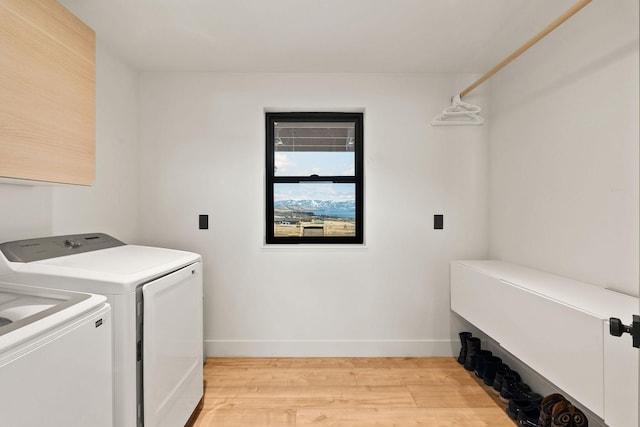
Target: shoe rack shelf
(557,326)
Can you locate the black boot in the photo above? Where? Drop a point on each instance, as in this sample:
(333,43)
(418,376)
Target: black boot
(481,356)
(491,365)
(473,346)
(463,348)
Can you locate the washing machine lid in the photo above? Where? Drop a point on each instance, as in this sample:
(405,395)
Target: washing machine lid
(116,269)
(27,312)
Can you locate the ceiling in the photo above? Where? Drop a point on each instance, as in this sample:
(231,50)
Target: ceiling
(316,35)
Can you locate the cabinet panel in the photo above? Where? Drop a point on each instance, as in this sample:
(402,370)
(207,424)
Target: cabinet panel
(477,298)
(47,81)
(561,343)
(621,367)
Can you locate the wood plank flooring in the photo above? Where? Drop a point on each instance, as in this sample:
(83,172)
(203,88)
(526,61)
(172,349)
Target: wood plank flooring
(345,392)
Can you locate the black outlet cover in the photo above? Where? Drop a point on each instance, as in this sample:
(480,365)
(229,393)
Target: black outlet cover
(203,222)
(438,222)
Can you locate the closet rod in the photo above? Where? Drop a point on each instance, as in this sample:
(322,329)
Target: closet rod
(552,26)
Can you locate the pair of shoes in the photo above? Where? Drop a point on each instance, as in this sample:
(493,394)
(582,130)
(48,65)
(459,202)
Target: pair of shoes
(473,357)
(490,369)
(502,371)
(556,411)
(564,414)
(517,406)
(480,357)
(546,408)
(528,417)
(513,388)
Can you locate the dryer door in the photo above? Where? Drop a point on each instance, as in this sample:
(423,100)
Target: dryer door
(172,347)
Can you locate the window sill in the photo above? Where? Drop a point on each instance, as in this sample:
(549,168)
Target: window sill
(325,247)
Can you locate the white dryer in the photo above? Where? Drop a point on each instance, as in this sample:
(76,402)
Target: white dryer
(156,298)
(55,358)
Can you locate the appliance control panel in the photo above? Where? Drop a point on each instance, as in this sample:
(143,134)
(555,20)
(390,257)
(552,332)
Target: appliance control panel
(56,246)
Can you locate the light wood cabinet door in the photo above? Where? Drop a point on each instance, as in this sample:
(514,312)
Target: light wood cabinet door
(47,93)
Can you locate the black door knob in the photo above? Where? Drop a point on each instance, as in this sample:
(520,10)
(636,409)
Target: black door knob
(616,328)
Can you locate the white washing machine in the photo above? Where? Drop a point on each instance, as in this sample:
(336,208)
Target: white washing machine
(55,358)
(156,298)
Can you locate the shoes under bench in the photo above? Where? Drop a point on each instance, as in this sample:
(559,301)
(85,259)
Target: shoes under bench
(525,406)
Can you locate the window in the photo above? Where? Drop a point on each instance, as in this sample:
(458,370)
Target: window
(314,179)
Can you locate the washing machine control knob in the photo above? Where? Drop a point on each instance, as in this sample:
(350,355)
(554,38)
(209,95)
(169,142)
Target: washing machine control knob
(72,244)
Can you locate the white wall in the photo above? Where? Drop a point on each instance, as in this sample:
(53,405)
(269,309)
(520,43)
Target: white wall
(202,152)
(564,137)
(111,204)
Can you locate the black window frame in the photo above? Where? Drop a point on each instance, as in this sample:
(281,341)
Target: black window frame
(271,118)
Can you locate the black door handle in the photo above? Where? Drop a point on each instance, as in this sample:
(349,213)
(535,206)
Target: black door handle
(617,329)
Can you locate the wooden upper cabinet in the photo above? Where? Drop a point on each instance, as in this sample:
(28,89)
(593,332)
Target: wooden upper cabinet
(47,93)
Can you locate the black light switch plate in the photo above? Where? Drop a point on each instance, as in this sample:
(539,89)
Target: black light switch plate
(203,222)
(438,222)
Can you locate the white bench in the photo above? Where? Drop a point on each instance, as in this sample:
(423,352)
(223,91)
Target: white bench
(557,326)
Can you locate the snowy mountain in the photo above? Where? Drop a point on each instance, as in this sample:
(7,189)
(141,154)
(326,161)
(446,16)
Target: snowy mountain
(317,206)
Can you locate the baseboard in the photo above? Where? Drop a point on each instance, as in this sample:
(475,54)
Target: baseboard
(328,348)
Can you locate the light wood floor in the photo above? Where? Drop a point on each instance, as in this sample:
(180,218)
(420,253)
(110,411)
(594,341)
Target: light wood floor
(345,392)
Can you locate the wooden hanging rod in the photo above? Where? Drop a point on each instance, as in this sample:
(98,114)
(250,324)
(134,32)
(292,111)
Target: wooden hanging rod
(552,26)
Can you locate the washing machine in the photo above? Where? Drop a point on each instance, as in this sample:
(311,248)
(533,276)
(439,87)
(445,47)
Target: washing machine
(55,358)
(156,299)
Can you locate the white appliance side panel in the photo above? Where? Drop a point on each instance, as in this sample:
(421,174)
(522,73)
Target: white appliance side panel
(173,347)
(124,358)
(61,379)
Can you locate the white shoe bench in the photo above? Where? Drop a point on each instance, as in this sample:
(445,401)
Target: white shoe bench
(557,326)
